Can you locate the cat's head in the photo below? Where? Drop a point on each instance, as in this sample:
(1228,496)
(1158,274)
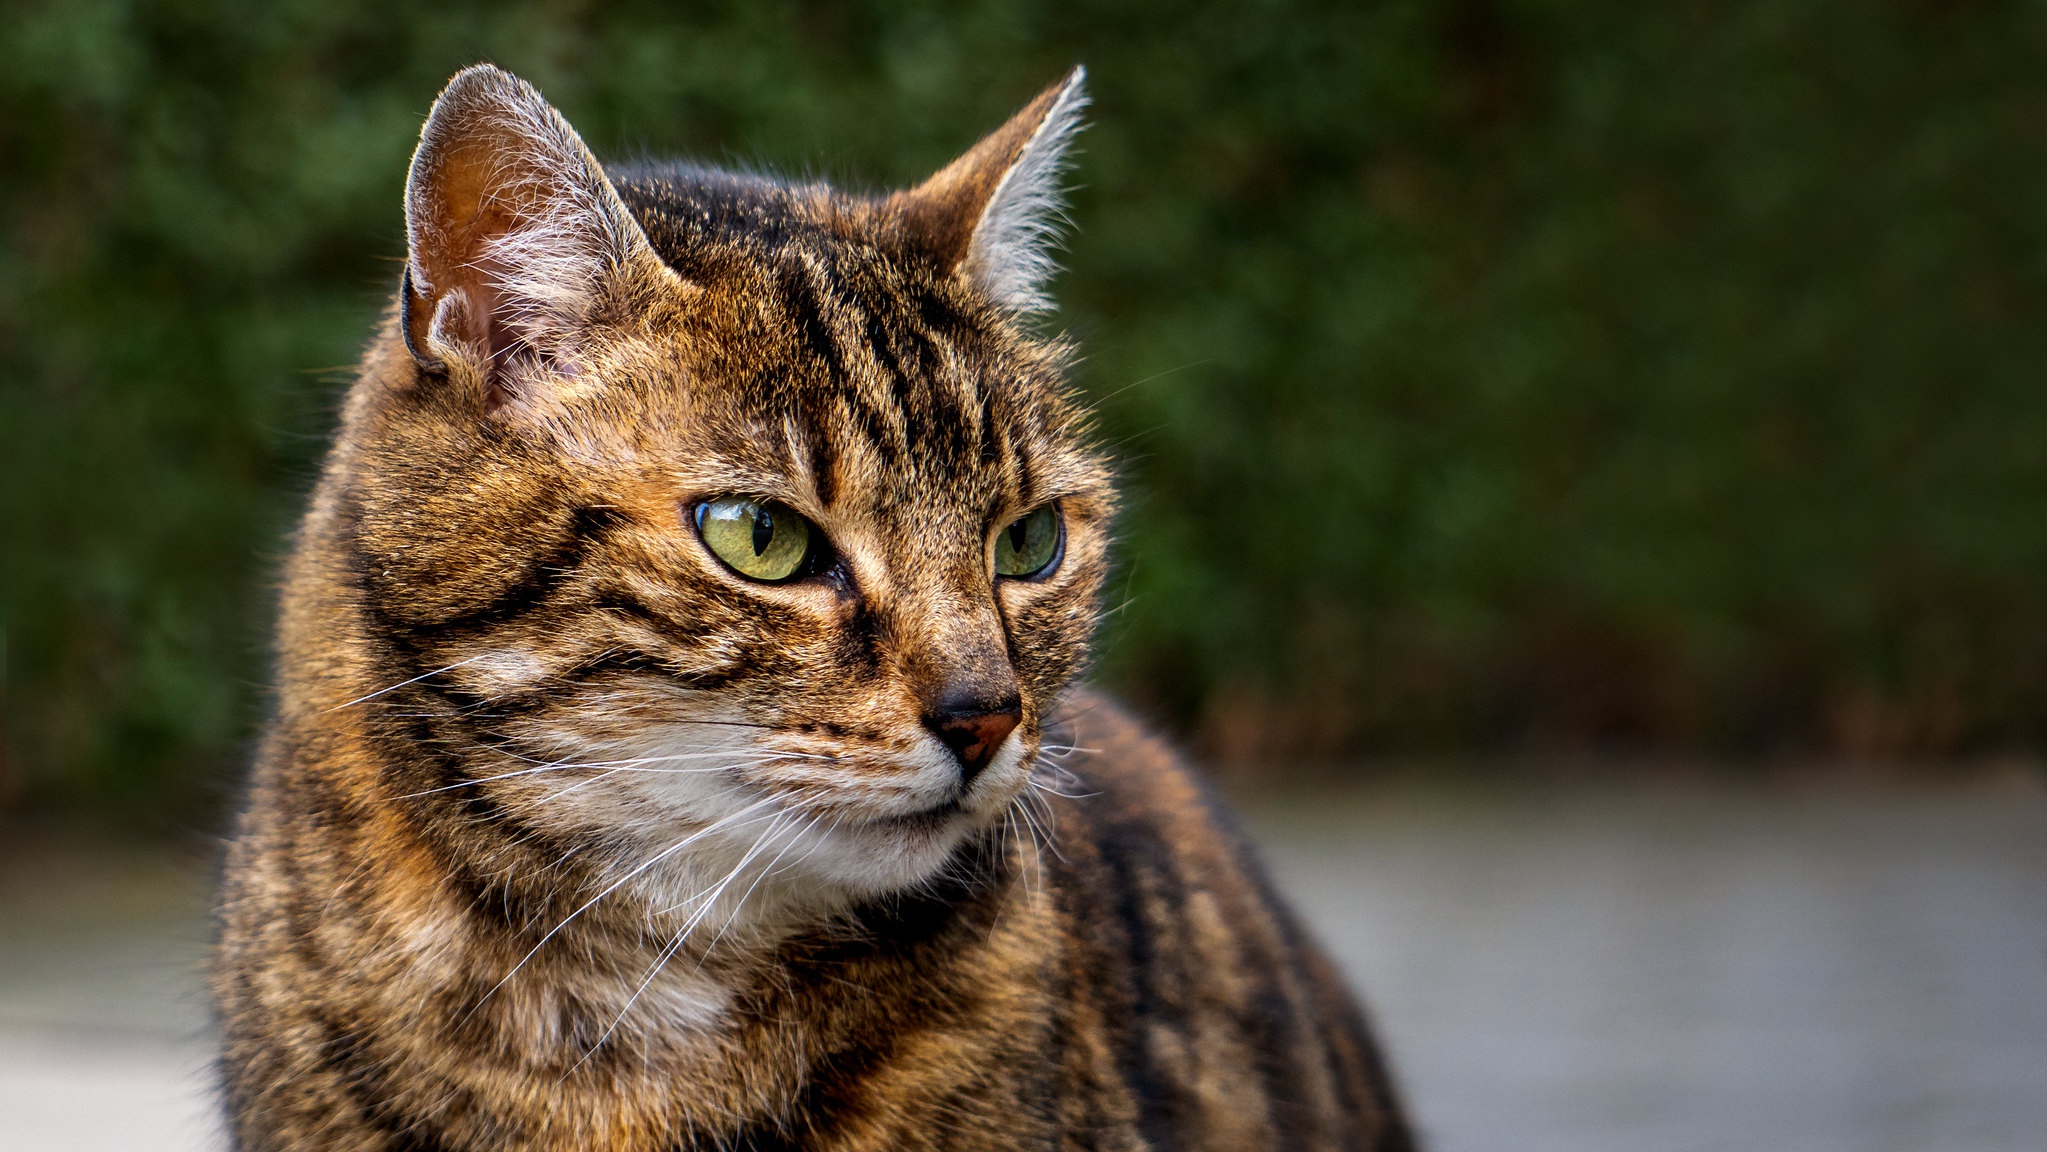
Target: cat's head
(723,508)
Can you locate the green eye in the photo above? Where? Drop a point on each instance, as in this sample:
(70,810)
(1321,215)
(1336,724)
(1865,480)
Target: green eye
(759,539)
(1031,545)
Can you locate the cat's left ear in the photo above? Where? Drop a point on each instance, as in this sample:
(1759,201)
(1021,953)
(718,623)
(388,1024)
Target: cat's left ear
(993,215)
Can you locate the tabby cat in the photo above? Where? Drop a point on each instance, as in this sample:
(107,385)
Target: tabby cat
(675,741)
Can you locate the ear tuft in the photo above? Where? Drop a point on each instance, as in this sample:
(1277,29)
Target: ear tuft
(995,214)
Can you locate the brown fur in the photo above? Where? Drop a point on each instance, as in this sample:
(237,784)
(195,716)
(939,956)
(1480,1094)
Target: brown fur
(565,836)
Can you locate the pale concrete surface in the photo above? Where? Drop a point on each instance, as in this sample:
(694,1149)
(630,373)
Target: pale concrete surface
(102,1014)
(1592,968)
(60,1094)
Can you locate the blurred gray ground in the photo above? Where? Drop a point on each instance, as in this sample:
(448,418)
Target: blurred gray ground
(1600,969)
(103,1042)
(1591,967)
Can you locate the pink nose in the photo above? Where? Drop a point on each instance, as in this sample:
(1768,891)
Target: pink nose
(974,736)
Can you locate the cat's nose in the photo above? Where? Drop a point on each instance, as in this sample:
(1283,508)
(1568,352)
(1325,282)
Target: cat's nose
(974,729)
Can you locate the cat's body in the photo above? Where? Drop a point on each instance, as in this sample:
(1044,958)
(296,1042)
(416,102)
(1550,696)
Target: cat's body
(674,744)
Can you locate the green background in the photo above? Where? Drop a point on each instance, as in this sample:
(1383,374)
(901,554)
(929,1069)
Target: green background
(1488,375)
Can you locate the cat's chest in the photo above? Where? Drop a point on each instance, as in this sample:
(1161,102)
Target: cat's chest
(829,1045)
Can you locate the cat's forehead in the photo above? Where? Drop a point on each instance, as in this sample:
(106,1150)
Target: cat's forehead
(820,355)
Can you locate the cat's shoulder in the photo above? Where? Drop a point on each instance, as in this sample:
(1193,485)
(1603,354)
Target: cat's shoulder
(1125,776)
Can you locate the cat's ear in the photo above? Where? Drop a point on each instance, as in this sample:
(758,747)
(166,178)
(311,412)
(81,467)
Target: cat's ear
(993,215)
(513,231)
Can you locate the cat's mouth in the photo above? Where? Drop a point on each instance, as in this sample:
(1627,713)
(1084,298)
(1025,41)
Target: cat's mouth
(929,819)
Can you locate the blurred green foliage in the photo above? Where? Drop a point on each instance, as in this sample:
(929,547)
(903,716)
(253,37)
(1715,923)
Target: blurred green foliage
(1488,373)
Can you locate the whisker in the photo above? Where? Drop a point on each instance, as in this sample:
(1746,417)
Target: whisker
(1045,830)
(768,758)
(1060,775)
(702,898)
(675,944)
(660,962)
(403,683)
(740,906)
(1034,879)
(745,756)
(621,882)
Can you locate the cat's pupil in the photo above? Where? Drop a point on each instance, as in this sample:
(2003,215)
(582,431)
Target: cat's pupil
(1017,531)
(763,529)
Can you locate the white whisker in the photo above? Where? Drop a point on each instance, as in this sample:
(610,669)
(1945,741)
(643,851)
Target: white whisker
(1043,833)
(675,944)
(619,883)
(403,683)
(731,917)
(633,765)
(1047,789)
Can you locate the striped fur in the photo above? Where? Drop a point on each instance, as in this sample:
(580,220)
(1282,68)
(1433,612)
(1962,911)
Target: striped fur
(565,836)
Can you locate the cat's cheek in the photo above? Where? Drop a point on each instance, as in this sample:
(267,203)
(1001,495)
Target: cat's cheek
(499,672)
(1052,626)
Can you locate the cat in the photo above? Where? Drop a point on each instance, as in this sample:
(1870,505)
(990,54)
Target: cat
(676,741)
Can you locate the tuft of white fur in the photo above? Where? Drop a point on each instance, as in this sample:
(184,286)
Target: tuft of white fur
(1011,254)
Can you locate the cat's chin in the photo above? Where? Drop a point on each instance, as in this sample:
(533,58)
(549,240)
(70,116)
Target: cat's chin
(896,853)
(762,884)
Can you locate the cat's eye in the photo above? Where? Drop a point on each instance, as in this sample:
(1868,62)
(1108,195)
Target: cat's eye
(758,539)
(1030,546)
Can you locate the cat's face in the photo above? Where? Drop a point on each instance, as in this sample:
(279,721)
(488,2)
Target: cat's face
(745,524)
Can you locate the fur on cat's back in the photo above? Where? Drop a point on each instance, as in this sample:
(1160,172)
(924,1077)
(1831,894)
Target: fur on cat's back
(676,742)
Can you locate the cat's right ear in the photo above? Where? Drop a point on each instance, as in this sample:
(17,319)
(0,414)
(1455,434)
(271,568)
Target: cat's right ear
(513,232)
